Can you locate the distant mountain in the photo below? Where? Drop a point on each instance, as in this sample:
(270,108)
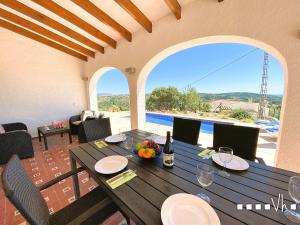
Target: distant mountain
(240,96)
(104,94)
(208,97)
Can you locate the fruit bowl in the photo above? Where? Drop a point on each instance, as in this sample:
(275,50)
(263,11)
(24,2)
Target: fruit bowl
(147,150)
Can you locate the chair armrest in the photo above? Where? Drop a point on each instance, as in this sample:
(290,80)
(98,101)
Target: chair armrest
(60,178)
(14,126)
(260,160)
(74,118)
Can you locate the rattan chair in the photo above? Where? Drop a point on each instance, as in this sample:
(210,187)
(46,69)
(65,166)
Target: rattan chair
(186,130)
(91,130)
(92,208)
(243,140)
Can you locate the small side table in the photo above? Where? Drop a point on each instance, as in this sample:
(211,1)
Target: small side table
(46,131)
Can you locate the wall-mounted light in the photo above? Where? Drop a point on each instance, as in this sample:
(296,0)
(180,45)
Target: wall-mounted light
(84,78)
(130,70)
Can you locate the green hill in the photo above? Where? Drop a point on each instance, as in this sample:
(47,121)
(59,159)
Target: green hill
(240,96)
(108,102)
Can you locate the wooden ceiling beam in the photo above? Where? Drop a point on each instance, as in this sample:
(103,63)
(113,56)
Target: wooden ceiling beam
(174,7)
(103,17)
(43,31)
(40,39)
(137,14)
(20,7)
(77,21)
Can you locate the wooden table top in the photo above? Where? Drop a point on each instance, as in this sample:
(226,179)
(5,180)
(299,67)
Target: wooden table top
(142,197)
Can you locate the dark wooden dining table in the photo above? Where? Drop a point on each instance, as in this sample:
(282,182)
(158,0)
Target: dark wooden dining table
(142,197)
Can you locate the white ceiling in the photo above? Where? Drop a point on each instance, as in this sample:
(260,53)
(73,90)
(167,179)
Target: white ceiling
(153,9)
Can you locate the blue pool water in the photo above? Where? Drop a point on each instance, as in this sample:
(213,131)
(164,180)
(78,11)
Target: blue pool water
(206,126)
(267,123)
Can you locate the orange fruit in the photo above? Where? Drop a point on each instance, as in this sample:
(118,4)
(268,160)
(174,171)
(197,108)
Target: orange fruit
(141,152)
(148,153)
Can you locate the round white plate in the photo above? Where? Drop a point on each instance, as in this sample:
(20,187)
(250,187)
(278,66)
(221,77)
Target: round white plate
(111,164)
(161,140)
(115,138)
(183,209)
(236,163)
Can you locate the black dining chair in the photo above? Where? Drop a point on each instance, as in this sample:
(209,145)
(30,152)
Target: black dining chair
(92,208)
(243,140)
(91,130)
(186,130)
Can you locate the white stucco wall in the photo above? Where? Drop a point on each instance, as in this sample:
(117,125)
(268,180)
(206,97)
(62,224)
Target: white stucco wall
(272,25)
(38,84)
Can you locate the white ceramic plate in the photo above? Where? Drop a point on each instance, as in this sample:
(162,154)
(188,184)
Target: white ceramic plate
(115,138)
(183,209)
(236,163)
(161,140)
(111,164)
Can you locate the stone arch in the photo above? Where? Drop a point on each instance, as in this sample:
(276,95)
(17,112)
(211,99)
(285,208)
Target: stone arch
(92,85)
(147,68)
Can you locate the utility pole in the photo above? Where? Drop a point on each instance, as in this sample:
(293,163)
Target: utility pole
(263,102)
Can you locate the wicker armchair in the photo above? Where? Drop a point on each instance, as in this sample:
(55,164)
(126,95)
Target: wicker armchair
(15,140)
(74,127)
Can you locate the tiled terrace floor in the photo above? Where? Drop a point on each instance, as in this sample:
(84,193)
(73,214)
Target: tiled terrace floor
(45,166)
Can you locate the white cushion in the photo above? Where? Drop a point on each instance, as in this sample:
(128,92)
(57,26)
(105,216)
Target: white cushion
(2,131)
(77,122)
(87,113)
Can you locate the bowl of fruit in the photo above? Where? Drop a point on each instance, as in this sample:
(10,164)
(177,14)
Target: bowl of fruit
(147,150)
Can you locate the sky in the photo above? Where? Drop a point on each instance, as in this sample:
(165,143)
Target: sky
(239,69)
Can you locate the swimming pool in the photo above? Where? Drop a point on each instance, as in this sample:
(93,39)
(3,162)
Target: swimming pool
(206,126)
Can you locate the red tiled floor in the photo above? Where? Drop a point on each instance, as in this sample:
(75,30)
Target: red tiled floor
(45,166)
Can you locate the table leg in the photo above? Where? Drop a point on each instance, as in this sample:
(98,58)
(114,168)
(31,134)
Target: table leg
(70,137)
(45,142)
(75,179)
(39,133)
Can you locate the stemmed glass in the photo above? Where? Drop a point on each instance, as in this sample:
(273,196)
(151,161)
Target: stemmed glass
(225,155)
(294,191)
(128,143)
(205,177)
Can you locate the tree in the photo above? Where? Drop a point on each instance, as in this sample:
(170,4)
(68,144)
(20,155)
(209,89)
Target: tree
(190,100)
(163,99)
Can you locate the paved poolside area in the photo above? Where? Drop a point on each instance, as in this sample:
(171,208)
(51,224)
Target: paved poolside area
(120,121)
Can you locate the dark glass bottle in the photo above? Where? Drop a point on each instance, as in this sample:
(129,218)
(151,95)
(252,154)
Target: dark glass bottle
(168,155)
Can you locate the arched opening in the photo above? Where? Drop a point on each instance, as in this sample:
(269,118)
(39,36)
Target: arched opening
(109,94)
(146,71)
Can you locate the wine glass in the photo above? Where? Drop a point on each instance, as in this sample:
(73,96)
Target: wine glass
(294,191)
(225,155)
(128,143)
(205,177)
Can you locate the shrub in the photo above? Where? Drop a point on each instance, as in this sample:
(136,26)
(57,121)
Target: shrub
(240,114)
(205,107)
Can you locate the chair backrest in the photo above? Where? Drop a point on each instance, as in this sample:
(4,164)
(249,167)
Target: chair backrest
(23,194)
(243,140)
(96,129)
(186,130)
